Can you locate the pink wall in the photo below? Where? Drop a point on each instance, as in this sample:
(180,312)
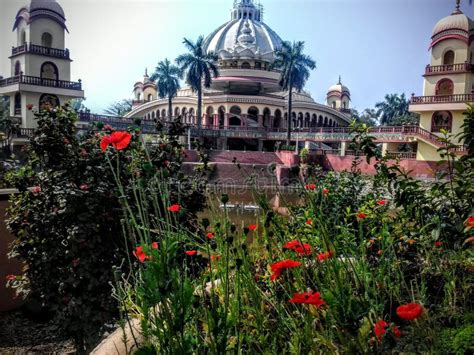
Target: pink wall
(288,158)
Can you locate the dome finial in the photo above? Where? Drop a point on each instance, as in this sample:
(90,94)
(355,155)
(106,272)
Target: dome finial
(339,82)
(458,8)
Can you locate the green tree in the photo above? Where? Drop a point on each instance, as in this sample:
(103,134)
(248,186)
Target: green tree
(199,67)
(394,111)
(295,69)
(368,116)
(78,105)
(167,78)
(119,108)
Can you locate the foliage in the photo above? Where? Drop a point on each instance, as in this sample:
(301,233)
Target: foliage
(68,226)
(167,78)
(393,111)
(199,67)
(119,108)
(78,105)
(368,117)
(295,69)
(318,281)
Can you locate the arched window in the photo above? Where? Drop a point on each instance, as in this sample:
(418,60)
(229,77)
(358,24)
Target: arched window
(320,121)
(221,116)
(47,40)
(17,68)
(314,120)
(49,71)
(153,115)
(163,113)
(17,104)
(448,58)
(307,119)
(266,117)
(245,65)
(325,122)
(191,115)
(330,122)
(235,116)
(252,114)
(23,37)
(176,112)
(157,113)
(441,120)
(444,87)
(209,116)
(334,104)
(150,97)
(48,100)
(277,119)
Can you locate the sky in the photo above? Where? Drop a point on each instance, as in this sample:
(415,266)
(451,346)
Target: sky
(377,46)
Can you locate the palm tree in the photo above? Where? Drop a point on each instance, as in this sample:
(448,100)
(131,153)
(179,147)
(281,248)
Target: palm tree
(199,68)
(167,78)
(295,69)
(392,108)
(120,108)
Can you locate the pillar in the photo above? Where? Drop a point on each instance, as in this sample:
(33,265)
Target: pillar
(226,120)
(307,145)
(260,145)
(384,149)
(343,148)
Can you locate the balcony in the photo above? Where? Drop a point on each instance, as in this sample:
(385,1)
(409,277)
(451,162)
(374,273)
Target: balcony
(40,50)
(449,69)
(37,81)
(459,98)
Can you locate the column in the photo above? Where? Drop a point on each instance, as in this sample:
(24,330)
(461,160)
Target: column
(260,121)
(343,148)
(260,145)
(226,120)
(384,149)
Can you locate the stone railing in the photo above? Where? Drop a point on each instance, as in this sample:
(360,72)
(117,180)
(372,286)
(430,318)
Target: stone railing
(437,99)
(38,81)
(449,68)
(41,50)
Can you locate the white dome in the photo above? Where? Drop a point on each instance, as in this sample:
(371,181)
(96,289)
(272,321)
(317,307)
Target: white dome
(50,5)
(457,21)
(338,90)
(49,9)
(245,36)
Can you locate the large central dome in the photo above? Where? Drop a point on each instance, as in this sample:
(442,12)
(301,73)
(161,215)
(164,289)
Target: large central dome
(245,36)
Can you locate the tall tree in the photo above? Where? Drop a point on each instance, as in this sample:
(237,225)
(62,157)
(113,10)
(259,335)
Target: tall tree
(368,116)
(119,108)
(295,69)
(392,109)
(167,77)
(199,67)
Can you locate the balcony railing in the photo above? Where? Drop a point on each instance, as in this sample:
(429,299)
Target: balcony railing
(34,80)
(46,51)
(401,155)
(449,68)
(459,98)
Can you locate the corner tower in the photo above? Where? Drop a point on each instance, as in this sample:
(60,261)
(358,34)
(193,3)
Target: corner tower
(40,62)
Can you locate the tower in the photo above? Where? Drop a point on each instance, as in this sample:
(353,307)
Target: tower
(339,96)
(448,79)
(40,62)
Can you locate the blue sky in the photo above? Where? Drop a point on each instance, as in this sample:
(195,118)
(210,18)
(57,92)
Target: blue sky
(377,46)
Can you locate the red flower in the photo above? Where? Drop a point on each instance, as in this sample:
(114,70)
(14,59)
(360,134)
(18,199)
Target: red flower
(310,297)
(215,257)
(29,107)
(11,277)
(409,311)
(381,328)
(154,245)
(84,187)
(210,235)
(470,222)
(36,190)
(438,244)
(300,248)
(277,268)
(119,140)
(174,208)
(309,222)
(252,227)
(191,252)
(325,191)
(361,215)
(381,202)
(310,186)
(140,254)
(324,256)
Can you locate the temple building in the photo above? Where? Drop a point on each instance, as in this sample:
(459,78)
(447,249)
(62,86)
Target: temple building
(40,62)
(246,95)
(448,81)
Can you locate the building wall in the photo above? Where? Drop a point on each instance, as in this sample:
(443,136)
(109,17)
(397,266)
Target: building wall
(459,48)
(42,25)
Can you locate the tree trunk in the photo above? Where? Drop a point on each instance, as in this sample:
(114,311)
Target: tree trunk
(290,111)
(199,108)
(170,107)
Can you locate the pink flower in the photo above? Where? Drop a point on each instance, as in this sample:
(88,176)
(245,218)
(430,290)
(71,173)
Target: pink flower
(11,277)
(36,190)
(154,245)
(84,187)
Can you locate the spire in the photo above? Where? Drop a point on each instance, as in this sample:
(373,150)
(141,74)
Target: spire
(457,11)
(339,82)
(246,9)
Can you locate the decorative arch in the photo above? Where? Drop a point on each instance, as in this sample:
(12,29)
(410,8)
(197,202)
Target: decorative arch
(320,121)
(448,57)
(157,113)
(191,115)
(49,71)
(314,120)
(330,122)
(252,113)
(150,97)
(48,100)
(221,113)
(153,115)
(209,116)
(163,113)
(176,111)
(307,119)
(235,116)
(444,87)
(325,121)
(277,120)
(47,40)
(266,117)
(245,65)
(441,120)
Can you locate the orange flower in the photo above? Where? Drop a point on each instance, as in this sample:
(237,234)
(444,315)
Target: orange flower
(119,140)
(278,267)
(409,311)
(174,208)
(309,297)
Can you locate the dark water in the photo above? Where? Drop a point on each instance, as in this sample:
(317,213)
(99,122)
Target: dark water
(242,208)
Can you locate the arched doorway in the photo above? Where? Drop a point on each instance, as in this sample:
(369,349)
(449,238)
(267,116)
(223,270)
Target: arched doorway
(235,116)
(49,71)
(277,119)
(209,117)
(266,117)
(444,87)
(47,40)
(252,116)
(441,120)
(48,100)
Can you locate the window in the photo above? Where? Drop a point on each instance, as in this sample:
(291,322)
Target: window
(49,71)
(235,113)
(334,104)
(17,68)
(23,37)
(17,104)
(48,100)
(441,120)
(47,40)
(150,97)
(444,87)
(245,65)
(448,58)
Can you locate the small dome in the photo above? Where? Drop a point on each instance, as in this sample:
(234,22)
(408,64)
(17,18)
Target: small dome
(455,26)
(50,5)
(49,9)
(339,90)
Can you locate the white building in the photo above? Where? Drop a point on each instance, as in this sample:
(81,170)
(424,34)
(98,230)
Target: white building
(40,63)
